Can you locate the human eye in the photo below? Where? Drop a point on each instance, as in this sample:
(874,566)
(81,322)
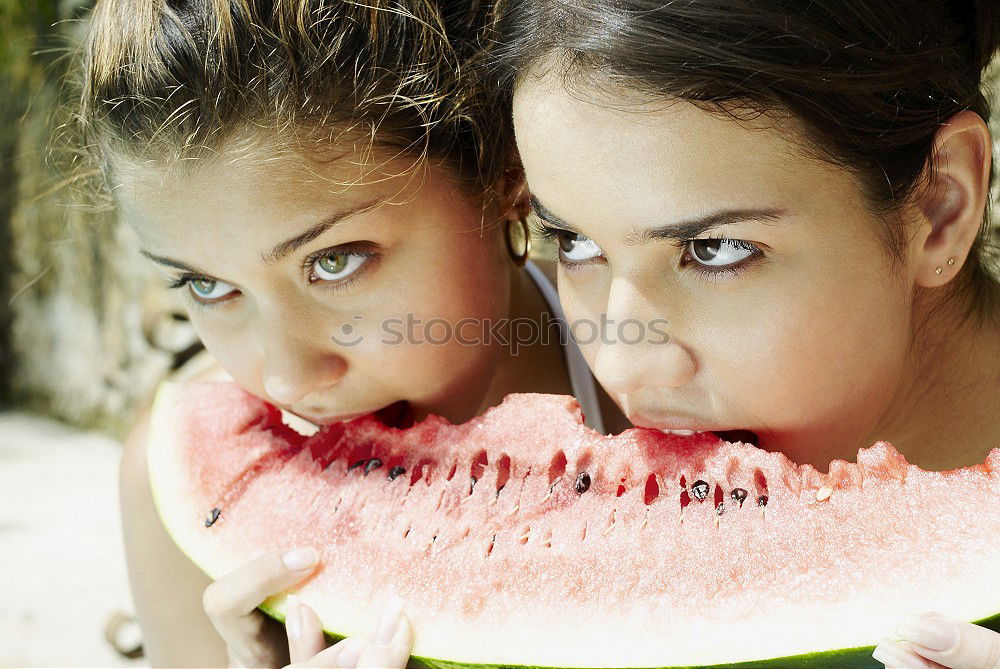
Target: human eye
(719,255)
(204,290)
(335,265)
(574,248)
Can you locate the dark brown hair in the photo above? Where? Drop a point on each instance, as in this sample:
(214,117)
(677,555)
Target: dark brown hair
(871,81)
(161,79)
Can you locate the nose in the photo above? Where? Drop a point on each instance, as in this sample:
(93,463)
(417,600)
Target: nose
(293,367)
(638,348)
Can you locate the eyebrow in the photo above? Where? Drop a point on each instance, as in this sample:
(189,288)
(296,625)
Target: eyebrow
(283,249)
(170,262)
(676,231)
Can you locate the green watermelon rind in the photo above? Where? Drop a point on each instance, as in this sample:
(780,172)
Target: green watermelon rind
(843,658)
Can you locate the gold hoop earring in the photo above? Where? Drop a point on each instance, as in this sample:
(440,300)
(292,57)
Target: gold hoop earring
(520,259)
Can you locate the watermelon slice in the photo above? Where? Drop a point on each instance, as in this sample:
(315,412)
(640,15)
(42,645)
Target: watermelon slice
(523,538)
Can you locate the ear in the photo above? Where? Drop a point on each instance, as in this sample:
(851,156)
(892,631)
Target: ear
(512,189)
(953,203)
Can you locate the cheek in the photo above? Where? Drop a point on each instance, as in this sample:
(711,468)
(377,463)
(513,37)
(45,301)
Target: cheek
(231,350)
(583,302)
(823,350)
(463,274)
(427,331)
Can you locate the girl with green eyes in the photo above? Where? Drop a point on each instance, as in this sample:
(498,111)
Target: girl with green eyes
(346,239)
(799,191)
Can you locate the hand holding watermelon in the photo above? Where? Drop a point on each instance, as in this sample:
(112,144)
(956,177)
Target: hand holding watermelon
(231,604)
(932,640)
(387,648)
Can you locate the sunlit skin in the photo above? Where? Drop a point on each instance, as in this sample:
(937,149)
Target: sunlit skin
(810,342)
(405,242)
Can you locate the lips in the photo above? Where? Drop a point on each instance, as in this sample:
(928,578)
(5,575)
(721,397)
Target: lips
(688,427)
(672,424)
(329,420)
(390,415)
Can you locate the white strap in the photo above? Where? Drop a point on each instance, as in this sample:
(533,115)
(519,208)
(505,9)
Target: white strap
(580,377)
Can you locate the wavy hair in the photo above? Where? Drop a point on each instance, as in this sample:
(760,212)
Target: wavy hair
(163,80)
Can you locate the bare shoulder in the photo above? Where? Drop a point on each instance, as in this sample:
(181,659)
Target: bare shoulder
(166,586)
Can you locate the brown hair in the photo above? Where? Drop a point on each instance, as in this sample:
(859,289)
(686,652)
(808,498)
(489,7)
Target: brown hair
(870,81)
(175,78)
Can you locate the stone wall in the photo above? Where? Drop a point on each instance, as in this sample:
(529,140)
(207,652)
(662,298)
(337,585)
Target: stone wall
(81,303)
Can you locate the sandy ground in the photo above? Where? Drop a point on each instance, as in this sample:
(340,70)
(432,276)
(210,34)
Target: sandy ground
(60,546)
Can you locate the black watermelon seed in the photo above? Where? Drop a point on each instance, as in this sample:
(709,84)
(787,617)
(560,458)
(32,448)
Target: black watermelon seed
(498,490)
(720,508)
(472,483)
(582,484)
(762,500)
(212,517)
(357,464)
(396,471)
(739,494)
(374,463)
(699,490)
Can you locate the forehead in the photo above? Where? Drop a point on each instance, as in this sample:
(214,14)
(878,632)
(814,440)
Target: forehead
(657,153)
(579,118)
(253,169)
(270,188)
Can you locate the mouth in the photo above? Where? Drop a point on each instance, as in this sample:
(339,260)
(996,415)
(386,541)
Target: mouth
(681,427)
(733,436)
(746,436)
(398,414)
(331,419)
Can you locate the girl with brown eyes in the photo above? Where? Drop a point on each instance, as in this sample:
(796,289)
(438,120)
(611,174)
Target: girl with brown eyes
(800,192)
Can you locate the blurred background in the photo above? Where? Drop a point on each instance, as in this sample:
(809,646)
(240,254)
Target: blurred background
(86,332)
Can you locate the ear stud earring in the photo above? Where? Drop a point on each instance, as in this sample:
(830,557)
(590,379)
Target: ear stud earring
(938,270)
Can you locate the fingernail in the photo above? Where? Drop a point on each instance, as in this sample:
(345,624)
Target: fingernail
(929,631)
(293,617)
(389,622)
(300,558)
(890,654)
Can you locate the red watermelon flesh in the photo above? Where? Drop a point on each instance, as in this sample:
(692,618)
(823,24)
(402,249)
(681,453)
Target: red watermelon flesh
(506,556)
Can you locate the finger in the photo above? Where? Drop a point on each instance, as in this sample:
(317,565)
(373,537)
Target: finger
(264,646)
(230,600)
(341,655)
(899,656)
(305,631)
(390,646)
(953,643)
(393,655)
